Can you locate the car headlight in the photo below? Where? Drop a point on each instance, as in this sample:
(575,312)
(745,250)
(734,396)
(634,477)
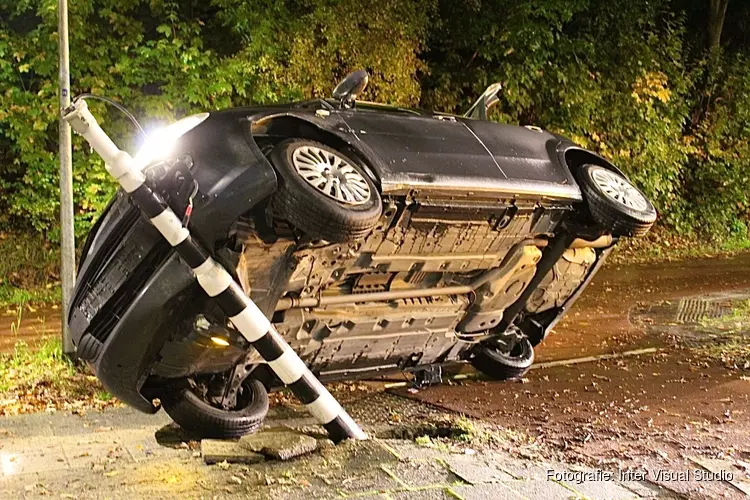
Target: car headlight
(160,144)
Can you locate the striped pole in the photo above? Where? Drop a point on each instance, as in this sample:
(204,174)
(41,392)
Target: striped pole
(217,282)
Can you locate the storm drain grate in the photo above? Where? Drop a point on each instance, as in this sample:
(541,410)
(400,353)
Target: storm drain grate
(693,310)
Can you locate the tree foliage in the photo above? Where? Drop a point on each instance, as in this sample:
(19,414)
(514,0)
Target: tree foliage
(641,82)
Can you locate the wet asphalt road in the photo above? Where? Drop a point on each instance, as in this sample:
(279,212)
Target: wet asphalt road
(600,321)
(27,324)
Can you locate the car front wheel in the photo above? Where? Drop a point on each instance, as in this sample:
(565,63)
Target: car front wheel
(323,192)
(191,410)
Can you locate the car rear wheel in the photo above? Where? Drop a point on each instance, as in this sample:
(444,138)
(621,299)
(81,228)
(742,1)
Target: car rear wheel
(615,203)
(193,413)
(506,356)
(323,192)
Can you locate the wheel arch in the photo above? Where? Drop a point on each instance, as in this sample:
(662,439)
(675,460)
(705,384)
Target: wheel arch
(575,157)
(287,126)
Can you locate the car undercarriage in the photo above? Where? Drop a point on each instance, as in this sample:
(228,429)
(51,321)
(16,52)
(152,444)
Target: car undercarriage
(384,302)
(430,282)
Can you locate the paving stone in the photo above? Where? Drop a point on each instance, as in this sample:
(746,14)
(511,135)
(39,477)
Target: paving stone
(374,481)
(373,496)
(408,450)
(20,445)
(131,418)
(359,455)
(549,490)
(93,452)
(424,494)
(603,490)
(142,445)
(63,462)
(217,450)
(76,425)
(643,489)
(33,460)
(494,491)
(420,473)
(307,493)
(167,480)
(476,469)
(172,435)
(24,426)
(281,444)
(525,469)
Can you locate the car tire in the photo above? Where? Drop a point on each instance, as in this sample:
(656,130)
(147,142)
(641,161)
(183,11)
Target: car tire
(199,418)
(500,365)
(615,203)
(349,209)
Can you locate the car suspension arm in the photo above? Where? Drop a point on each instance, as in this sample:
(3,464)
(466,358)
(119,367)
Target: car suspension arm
(217,282)
(563,240)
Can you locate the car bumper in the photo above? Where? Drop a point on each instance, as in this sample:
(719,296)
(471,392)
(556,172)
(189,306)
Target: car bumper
(126,358)
(129,283)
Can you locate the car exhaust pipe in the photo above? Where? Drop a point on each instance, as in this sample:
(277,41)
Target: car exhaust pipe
(505,266)
(217,282)
(602,241)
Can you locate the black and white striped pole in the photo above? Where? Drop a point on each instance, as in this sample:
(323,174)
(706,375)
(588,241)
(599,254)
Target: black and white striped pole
(217,282)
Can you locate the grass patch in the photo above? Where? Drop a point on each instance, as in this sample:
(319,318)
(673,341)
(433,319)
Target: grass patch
(11,295)
(25,366)
(44,379)
(660,245)
(733,352)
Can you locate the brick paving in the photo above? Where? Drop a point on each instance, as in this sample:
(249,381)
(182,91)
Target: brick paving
(123,454)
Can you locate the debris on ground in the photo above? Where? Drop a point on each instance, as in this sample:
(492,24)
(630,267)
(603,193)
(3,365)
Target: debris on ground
(279,443)
(42,379)
(216,451)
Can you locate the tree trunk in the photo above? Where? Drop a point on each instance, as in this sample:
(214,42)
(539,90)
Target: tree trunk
(716,14)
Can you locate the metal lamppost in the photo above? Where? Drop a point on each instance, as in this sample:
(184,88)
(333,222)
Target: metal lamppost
(66,179)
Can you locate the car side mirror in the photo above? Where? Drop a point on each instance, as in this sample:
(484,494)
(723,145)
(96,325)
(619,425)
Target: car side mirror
(489,99)
(350,87)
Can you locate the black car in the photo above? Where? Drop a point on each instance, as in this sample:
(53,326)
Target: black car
(375,238)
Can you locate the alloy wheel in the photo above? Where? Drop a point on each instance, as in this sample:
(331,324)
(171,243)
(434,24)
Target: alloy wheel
(619,189)
(331,174)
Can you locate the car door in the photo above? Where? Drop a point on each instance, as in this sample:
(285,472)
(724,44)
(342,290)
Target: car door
(422,149)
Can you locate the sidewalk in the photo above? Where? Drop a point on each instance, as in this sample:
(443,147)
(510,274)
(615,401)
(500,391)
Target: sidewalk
(124,454)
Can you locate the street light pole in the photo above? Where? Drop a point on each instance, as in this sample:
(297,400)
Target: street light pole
(67,250)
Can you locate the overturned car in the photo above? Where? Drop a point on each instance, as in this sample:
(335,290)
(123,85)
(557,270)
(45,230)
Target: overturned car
(374,238)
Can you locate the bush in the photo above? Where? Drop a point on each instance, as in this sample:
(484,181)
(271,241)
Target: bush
(630,80)
(164,59)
